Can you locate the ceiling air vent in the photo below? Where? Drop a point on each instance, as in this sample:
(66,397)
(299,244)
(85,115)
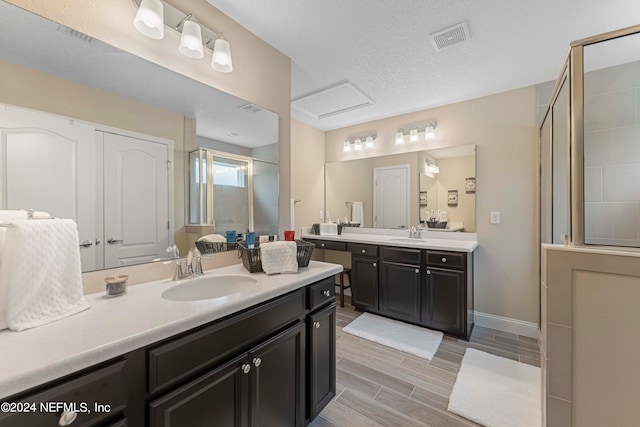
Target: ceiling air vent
(450,36)
(252,108)
(75,34)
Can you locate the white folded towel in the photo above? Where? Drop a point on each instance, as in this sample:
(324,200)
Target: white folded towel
(357,213)
(328,229)
(40,267)
(279,257)
(213,238)
(13,215)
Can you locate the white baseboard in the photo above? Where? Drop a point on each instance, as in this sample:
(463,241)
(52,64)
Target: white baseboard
(506,324)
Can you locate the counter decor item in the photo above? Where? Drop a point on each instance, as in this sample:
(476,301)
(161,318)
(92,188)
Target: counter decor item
(116,285)
(252,261)
(289,235)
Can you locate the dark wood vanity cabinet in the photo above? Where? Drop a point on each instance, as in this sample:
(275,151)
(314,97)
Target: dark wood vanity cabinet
(447,303)
(269,365)
(401,283)
(365,276)
(421,286)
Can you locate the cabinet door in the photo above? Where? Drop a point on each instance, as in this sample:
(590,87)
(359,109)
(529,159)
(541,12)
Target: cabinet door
(278,380)
(322,359)
(364,272)
(444,306)
(400,291)
(220,398)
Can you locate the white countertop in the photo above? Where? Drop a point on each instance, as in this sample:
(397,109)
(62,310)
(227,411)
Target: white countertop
(117,325)
(430,239)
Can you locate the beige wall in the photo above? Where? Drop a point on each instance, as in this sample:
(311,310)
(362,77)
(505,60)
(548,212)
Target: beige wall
(307,173)
(261,75)
(342,186)
(503,127)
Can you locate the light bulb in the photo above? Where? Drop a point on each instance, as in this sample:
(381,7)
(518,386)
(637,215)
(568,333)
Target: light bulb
(413,135)
(399,138)
(347,146)
(368,142)
(429,132)
(149,19)
(221,59)
(191,40)
(357,145)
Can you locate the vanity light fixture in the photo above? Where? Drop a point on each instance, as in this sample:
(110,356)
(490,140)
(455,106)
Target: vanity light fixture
(357,143)
(149,19)
(153,15)
(400,137)
(413,134)
(191,39)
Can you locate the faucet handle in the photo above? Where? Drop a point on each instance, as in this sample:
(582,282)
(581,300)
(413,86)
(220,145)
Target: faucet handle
(197,270)
(179,272)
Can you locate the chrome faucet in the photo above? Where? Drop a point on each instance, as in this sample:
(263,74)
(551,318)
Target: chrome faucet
(415,233)
(191,268)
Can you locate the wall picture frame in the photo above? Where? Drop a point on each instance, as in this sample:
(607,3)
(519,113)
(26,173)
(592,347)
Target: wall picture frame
(423,198)
(470,185)
(452,198)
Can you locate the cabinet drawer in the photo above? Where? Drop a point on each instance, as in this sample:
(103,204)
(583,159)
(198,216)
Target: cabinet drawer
(363,250)
(404,256)
(170,362)
(321,292)
(444,259)
(329,244)
(105,386)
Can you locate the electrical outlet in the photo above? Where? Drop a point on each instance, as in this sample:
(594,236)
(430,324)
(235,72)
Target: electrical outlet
(495,217)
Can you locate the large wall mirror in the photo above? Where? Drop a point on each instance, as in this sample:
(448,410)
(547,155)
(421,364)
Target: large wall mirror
(31,45)
(402,190)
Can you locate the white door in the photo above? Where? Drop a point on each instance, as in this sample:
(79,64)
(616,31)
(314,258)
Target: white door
(47,164)
(136,200)
(391,197)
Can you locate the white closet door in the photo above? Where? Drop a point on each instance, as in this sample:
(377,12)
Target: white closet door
(391,196)
(47,164)
(136,200)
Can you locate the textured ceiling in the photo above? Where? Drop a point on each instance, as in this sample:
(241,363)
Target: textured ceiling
(383,47)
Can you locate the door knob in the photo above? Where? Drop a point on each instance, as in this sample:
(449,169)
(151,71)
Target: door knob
(417,271)
(113,241)
(257,361)
(444,260)
(316,324)
(375,264)
(428,271)
(86,244)
(246,368)
(326,293)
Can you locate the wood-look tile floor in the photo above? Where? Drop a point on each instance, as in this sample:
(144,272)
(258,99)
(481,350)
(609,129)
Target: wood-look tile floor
(379,386)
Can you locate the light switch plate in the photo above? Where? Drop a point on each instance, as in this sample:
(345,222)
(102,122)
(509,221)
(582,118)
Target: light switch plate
(321,215)
(495,217)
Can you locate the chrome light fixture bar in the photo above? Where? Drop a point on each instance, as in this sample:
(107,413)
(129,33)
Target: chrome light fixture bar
(154,15)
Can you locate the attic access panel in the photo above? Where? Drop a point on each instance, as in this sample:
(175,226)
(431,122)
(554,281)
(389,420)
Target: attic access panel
(333,100)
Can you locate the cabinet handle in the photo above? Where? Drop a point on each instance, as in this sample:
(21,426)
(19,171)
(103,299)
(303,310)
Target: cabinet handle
(113,241)
(316,324)
(66,418)
(246,368)
(444,259)
(326,293)
(364,251)
(322,245)
(375,264)
(86,244)
(417,271)
(257,361)
(428,271)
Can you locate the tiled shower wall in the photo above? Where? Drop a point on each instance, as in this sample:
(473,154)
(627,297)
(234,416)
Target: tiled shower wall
(612,155)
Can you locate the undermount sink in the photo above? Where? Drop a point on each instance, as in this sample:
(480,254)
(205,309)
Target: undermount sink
(209,287)
(410,240)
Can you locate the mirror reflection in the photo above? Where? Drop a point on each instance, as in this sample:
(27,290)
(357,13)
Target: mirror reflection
(401,190)
(98,133)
